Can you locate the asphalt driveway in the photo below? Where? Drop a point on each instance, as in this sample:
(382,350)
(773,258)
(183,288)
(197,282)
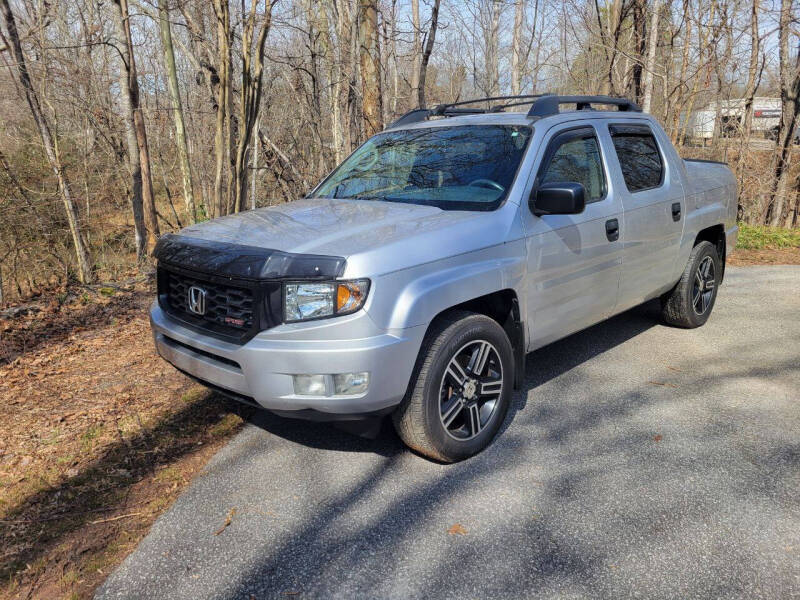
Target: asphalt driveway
(638,461)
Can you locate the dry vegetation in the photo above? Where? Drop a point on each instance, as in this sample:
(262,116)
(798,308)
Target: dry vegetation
(124,119)
(99,437)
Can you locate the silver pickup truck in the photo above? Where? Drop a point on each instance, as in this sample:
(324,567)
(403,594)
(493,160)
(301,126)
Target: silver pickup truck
(417,276)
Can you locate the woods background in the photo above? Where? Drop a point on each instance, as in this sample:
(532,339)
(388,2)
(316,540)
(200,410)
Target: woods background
(123,119)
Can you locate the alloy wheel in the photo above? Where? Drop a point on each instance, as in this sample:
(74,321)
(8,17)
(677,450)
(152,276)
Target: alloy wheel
(703,288)
(470,390)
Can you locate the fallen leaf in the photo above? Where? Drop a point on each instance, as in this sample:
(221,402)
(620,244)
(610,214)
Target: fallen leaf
(672,385)
(457,529)
(657,437)
(228,521)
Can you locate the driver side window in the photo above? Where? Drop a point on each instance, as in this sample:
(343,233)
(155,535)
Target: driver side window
(575,157)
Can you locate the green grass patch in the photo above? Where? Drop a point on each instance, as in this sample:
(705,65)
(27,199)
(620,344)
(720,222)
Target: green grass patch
(227,425)
(88,437)
(758,237)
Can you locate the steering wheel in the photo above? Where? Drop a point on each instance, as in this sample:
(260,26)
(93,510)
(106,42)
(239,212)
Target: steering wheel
(487,183)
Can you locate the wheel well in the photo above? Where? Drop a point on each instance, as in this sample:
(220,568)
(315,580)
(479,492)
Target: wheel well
(715,235)
(503,307)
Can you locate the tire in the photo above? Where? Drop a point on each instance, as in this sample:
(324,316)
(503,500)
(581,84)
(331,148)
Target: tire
(446,420)
(691,301)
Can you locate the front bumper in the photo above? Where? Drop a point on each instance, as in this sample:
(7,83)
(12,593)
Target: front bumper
(261,370)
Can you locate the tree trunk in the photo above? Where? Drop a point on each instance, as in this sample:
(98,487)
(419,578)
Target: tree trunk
(491,36)
(639,42)
(371,110)
(426,55)
(134,160)
(790,107)
(222,131)
(650,65)
(416,56)
(516,48)
(614,28)
(256,152)
(687,39)
(394,72)
(750,92)
(130,88)
(50,144)
(250,95)
(177,110)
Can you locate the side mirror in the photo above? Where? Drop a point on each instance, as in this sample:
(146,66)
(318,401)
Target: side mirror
(558,198)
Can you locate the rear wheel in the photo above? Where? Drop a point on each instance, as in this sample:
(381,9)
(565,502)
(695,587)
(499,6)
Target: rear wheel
(460,389)
(690,302)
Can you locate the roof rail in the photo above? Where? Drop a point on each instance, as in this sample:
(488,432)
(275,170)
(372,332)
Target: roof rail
(544,105)
(548,105)
(443,109)
(457,108)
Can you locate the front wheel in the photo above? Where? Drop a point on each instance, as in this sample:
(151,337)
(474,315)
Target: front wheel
(460,390)
(690,302)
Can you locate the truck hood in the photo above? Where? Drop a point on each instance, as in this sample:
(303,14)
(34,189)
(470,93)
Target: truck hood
(344,228)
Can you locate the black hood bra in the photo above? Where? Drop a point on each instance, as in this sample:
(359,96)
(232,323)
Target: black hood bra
(239,261)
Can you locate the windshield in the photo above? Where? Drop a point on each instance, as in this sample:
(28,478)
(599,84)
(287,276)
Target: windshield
(467,167)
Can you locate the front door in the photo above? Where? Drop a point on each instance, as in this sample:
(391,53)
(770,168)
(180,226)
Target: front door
(574,261)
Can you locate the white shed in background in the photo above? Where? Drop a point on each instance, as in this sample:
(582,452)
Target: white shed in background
(728,115)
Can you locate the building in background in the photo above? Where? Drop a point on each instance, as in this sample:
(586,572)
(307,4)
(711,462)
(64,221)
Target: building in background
(726,118)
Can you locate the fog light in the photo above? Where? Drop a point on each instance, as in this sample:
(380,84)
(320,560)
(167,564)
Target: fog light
(309,385)
(348,384)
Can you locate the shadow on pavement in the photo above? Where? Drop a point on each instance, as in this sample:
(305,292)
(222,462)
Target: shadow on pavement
(542,365)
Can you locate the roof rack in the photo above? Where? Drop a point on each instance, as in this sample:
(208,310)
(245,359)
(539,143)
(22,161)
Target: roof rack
(544,105)
(458,108)
(548,105)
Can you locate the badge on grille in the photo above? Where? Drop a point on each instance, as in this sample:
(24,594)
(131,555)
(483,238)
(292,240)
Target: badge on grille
(197,300)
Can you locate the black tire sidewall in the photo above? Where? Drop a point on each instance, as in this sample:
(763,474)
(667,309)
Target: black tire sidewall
(703,250)
(470,329)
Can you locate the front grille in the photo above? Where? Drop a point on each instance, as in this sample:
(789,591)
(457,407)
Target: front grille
(235,310)
(225,305)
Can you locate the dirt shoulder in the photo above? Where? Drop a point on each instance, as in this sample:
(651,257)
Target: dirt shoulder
(99,437)
(765,256)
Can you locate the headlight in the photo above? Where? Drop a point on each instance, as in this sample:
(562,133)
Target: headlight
(304,301)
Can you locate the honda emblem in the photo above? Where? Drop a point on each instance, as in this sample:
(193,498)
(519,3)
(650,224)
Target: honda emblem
(197,300)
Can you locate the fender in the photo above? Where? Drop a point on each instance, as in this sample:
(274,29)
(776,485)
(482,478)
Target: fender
(447,283)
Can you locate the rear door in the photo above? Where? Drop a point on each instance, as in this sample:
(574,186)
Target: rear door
(654,210)
(573,260)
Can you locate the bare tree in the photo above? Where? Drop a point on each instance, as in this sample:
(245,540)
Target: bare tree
(250,93)
(516,47)
(416,49)
(129,92)
(790,108)
(650,64)
(753,77)
(134,160)
(372,112)
(223,131)
(49,142)
(492,53)
(177,108)
(426,55)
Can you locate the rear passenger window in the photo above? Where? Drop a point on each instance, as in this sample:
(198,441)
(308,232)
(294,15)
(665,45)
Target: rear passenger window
(638,156)
(575,157)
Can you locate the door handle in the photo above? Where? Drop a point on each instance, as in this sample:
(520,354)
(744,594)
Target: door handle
(676,211)
(612,230)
